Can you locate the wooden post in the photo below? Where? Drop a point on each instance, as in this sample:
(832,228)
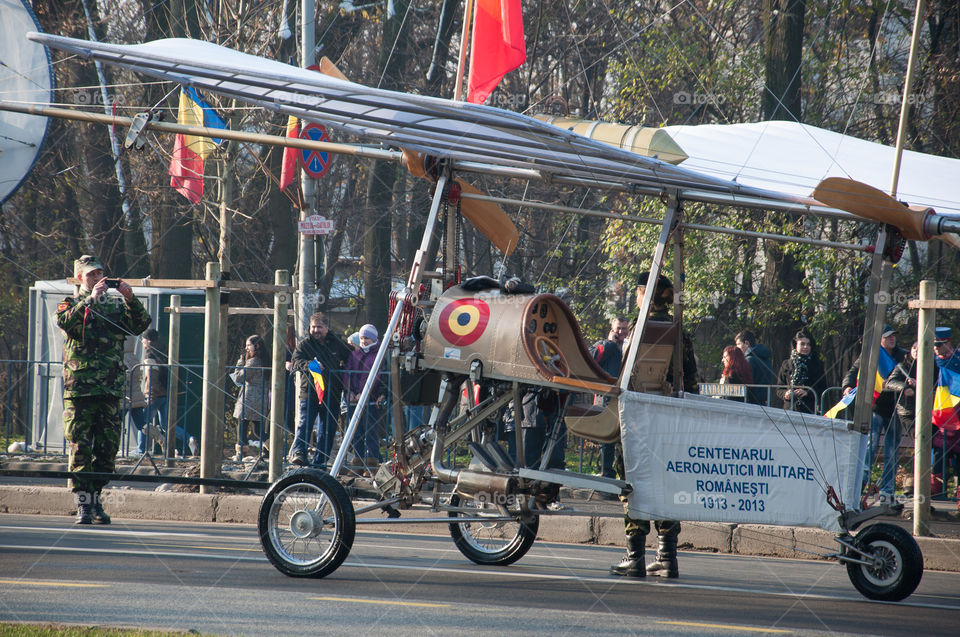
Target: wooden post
(281,301)
(924,410)
(211,445)
(173,375)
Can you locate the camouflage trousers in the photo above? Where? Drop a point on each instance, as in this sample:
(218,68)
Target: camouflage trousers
(91,426)
(633,526)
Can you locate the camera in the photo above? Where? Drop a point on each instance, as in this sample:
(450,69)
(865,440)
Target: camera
(113,283)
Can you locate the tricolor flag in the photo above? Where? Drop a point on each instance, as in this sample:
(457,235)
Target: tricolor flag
(316,370)
(288,172)
(497,47)
(845,402)
(885,365)
(189,151)
(945,400)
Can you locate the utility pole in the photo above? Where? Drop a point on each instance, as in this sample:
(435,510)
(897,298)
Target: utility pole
(306,281)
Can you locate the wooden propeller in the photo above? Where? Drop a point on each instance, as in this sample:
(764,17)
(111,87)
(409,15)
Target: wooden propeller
(489,218)
(917,223)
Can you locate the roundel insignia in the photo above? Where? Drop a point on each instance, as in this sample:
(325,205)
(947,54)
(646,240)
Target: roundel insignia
(463,321)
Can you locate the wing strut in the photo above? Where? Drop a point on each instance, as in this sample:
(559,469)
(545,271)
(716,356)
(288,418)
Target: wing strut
(669,221)
(409,294)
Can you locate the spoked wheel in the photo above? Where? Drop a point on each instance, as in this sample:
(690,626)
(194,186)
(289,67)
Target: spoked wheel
(495,543)
(306,524)
(897,563)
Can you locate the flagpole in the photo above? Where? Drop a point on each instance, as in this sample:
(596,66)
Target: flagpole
(464,43)
(905,102)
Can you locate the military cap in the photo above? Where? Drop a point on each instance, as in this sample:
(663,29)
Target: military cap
(86,263)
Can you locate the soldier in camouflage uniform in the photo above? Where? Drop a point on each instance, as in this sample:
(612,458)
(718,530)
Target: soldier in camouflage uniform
(632,564)
(95,325)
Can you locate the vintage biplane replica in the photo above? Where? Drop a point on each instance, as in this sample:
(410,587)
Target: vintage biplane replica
(687,458)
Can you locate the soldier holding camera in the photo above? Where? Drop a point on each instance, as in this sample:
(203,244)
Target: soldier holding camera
(95,326)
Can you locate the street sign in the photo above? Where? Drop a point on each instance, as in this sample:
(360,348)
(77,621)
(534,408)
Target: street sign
(315,224)
(314,162)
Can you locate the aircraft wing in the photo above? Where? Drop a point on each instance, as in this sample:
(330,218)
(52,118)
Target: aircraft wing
(794,158)
(435,126)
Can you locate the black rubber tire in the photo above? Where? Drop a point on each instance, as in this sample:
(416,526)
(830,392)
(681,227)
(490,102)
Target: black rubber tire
(902,565)
(493,544)
(306,524)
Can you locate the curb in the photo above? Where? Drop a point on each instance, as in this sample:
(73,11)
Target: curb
(939,554)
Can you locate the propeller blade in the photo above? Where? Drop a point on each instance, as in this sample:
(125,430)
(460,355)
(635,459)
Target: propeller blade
(949,239)
(414,163)
(868,202)
(327,67)
(490,219)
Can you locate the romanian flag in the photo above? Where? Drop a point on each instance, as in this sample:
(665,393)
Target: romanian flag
(316,370)
(885,365)
(945,400)
(189,151)
(845,402)
(290,155)
(497,47)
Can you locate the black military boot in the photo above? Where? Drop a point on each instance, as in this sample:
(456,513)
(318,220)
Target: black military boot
(632,563)
(99,515)
(84,507)
(666,564)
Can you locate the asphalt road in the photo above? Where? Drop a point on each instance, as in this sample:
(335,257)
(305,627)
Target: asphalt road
(214,579)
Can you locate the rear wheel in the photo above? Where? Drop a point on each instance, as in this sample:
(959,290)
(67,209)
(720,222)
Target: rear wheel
(495,543)
(897,563)
(306,524)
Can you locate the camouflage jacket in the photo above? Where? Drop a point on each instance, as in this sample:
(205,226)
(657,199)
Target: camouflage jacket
(95,335)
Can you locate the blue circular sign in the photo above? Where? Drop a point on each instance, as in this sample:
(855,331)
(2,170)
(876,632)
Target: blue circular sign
(315,163)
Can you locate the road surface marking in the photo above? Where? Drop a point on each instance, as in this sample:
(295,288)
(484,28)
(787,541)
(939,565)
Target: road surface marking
(357,600)
(749,629)
(30,582)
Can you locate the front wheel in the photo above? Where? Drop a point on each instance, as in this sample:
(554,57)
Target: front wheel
(493,543)
(897,564)
(306,524)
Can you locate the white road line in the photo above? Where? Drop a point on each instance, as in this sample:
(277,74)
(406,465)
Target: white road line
(100,530)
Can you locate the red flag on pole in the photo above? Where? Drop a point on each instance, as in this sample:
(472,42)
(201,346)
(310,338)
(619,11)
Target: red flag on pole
(497,47)
(289,170)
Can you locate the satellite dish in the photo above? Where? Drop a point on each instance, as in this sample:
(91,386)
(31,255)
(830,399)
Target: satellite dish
(27,77)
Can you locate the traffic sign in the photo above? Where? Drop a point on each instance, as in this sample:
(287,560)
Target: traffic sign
(315,163)
(315,224)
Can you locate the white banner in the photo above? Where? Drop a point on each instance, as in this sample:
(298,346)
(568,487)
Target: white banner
(708,459)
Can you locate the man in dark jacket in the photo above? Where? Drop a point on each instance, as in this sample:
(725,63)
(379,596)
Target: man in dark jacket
(95,326)
(883,419)
(331,353)
(758,355)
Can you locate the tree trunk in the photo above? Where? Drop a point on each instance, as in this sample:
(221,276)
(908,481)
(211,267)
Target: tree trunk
(782,49)
(379,208)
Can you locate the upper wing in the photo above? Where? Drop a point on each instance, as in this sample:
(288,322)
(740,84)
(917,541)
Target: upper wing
(439,127)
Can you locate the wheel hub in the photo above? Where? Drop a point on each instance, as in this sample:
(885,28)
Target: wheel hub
(304,524)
